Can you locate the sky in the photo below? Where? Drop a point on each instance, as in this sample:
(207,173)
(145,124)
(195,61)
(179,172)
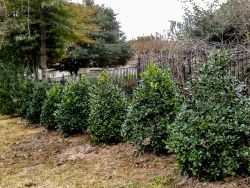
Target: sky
(144,17)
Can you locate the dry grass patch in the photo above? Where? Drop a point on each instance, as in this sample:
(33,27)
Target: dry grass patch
(4,117)
(32,157)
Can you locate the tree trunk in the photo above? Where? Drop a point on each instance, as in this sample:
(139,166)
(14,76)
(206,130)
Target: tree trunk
(28,19)
(35,71)
(43,49)
(43,57)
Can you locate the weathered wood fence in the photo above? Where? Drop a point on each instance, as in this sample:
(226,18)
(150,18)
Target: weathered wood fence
(182,66)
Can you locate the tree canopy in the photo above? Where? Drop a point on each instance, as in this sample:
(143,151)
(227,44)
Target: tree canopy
(36,32)
(226,23)
(107,46)
(42,33)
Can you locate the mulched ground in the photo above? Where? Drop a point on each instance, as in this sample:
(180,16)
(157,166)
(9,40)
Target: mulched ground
(33,157)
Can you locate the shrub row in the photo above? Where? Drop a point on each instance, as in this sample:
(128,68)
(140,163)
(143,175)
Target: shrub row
(102,109)
(77,107)
(209,132)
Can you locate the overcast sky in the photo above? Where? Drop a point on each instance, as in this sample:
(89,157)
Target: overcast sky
(138,17)
(144,17)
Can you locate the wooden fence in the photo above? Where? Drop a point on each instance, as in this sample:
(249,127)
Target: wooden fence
(181,65)
(120,75)
(125,77)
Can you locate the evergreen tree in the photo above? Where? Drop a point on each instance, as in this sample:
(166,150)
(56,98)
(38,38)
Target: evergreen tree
(107,46)
(36,32)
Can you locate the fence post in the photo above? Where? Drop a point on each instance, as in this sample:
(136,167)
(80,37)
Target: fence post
(184,79)
(138,69)
(189,62)
(63,79)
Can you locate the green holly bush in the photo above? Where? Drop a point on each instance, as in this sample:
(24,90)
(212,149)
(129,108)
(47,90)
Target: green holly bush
(211,135)
(152,110)
(73,111)
(26,97)
(12,77)
(53,98)
(35,102)
(108,110)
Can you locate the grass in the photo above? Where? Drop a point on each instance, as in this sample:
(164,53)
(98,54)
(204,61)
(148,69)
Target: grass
(32,157)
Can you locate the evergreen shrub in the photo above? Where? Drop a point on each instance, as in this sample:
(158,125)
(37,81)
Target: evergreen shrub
(27,93)
(108,110)
(11,82)
(34,101)
(152,110)
(53,98)
(211,135)
(73,110)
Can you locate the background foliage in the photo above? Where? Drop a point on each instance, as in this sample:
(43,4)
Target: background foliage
(107,46)
(226,23)
(63,35)
(36,31)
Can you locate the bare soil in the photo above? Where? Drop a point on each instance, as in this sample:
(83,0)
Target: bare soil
(33,157)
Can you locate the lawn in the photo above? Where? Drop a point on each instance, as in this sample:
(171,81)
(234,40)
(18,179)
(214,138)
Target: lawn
(33,157)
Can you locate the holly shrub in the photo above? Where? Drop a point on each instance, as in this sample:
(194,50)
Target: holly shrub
(152,110)
(108,110)
(73,110)
(35,102)
(211,135)
(53,98)
(27,93)
(12,76)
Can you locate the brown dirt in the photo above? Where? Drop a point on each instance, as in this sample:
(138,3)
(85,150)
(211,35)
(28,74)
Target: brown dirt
(32,157)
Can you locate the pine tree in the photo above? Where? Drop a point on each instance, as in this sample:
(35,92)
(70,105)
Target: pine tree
(107,45)
(36,32)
